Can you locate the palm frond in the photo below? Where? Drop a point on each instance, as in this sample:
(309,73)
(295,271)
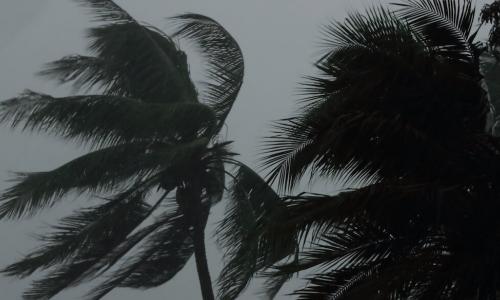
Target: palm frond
(312,216)
(106,120)
(160,257)
(365,260)
(101,171)
(321,142)
(120,252)
(87,72)
(155,69)
(174,247)
(106,10)
(214,179)
(376,29)
(215,182)
(225,65)
(382,279)
(445,24)
(273,285)
(80,241)
(333,285)
(84,232)
(246,232)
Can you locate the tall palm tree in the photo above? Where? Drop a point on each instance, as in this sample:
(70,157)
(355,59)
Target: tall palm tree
(398,106)
(157,162)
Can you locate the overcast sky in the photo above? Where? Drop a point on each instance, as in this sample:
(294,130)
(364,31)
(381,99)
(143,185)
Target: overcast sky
(279,39)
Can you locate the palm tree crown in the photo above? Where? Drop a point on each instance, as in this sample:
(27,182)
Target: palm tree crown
(157,161)
(398,105)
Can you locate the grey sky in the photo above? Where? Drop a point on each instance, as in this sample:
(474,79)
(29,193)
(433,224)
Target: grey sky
(279,40)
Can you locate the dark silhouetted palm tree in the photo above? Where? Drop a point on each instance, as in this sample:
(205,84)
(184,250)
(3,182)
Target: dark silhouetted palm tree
(398,106)
(157,160)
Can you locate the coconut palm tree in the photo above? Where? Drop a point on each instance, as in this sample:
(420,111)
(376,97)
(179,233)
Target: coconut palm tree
(398,107)
(157,161)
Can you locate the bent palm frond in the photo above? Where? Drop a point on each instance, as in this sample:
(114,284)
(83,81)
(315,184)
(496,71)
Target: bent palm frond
(101,171)
(160,257)
(155,69)
(87,72)
(107,120)
(225,65)
(247,233)
(80,241)
(446,25)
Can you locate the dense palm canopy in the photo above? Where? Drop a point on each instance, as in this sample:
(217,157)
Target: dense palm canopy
(156,164)
(399,105)
(391,85)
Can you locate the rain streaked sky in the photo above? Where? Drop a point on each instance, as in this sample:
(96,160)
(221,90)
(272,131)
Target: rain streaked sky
(279,39)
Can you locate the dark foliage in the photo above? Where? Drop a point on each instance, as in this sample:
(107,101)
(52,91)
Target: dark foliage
(399,105)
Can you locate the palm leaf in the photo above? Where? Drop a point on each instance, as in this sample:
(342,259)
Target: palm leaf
(106,120)
(149,59)
(80,241)
(215,182)
(100,171)
(247,234)
(445,24)
(160,257)
(83,232)
(225,64)
(87,72)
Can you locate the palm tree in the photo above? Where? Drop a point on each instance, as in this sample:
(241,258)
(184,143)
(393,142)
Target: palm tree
(490,14)
(398,107)
(157,162)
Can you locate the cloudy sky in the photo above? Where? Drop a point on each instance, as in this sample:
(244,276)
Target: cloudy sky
(279,39)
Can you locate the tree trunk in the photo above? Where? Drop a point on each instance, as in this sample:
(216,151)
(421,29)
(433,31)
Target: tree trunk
(189,200)
(201,261)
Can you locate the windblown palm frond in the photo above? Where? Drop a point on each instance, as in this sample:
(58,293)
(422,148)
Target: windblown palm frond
(225,65)
(398,242)
(80,241)
(160,257)
(349,248)
(248,232)
(82,231)
(101,171)
(446,25)
(403,239)
(148,59)
(87,72)
(101,120)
